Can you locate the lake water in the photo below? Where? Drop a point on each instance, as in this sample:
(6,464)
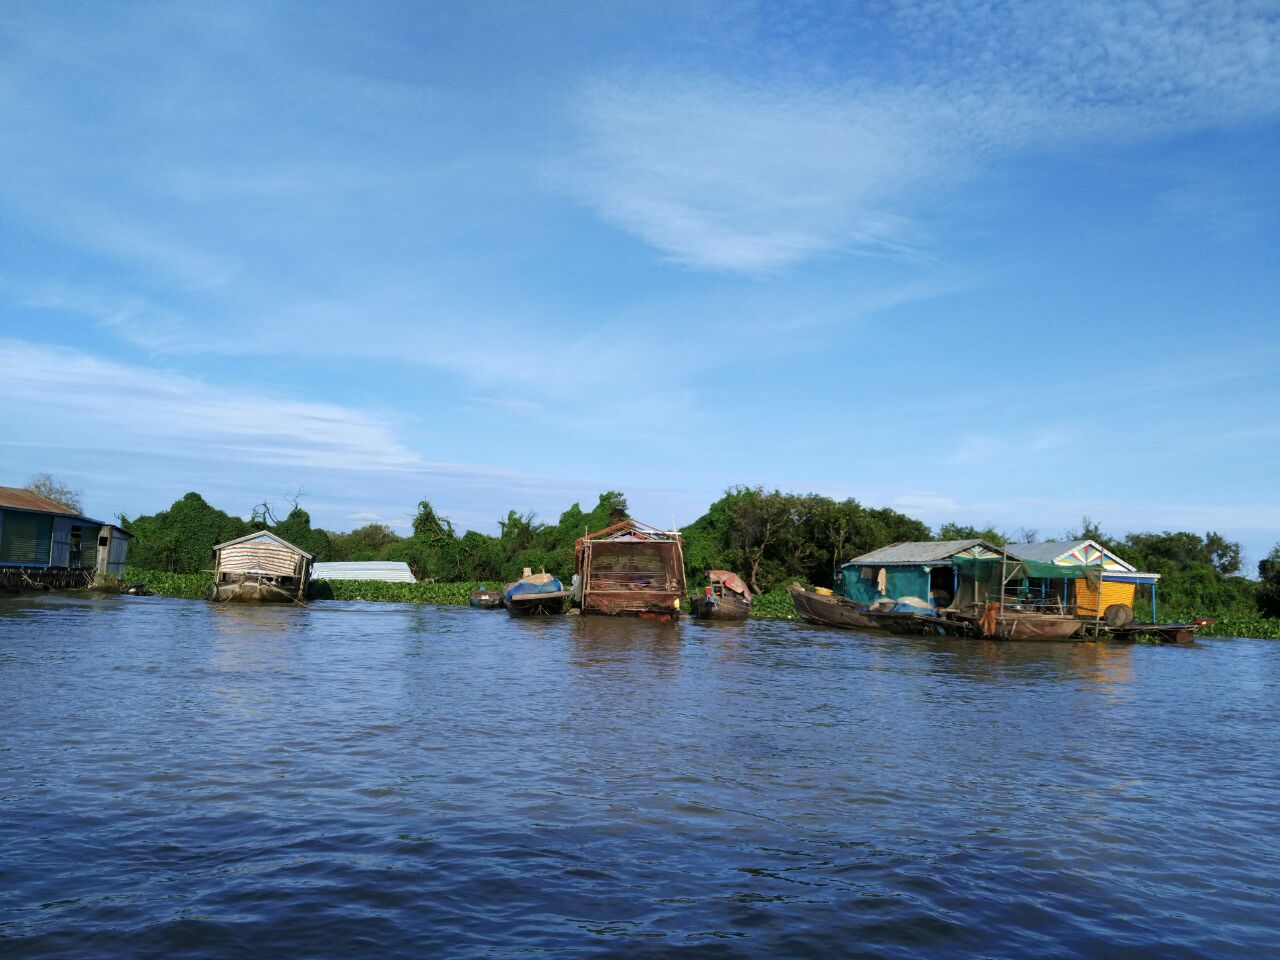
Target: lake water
(184,780)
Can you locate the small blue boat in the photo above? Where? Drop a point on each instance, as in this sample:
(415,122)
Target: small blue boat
(486,598)
(535,594)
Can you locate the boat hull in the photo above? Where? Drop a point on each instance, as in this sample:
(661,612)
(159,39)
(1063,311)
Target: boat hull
(250,590)
(918,625)
(538,594)
(1028,627)
(537,604)
(1162,632)
(486,599)
(727,607)
(830,611)
(650,604)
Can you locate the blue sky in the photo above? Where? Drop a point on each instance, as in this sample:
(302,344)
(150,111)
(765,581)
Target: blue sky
(977,261)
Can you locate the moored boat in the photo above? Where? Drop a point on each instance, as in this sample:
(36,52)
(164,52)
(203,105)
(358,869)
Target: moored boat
(260,567)
(535,594)
(250,588)
(1162,632)
(486,598)
(828,610)
(725,598)
(1006,623)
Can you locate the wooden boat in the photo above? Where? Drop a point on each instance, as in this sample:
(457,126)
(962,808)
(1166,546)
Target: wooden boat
(630,568)
(726,598)
(260,567)
(1008,623)
(917,624)
(828,610)
(252,589)
(535,594)
(486,599)
(1163,632)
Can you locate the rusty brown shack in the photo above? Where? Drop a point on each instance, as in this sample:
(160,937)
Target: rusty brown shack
(631,568)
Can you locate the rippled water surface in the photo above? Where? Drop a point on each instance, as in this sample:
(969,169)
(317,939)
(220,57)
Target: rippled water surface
(181,779)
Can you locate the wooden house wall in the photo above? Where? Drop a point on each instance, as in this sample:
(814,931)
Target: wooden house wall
(1112,592)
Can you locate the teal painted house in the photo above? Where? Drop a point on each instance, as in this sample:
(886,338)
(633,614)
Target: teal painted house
(920,569)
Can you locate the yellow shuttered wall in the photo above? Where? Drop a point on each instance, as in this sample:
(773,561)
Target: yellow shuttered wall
(1087,596)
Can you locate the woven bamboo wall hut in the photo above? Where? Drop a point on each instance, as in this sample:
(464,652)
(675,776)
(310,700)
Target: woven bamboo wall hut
(630,568)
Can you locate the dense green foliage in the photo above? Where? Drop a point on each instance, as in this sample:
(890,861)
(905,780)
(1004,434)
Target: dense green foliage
(443,593)
(1263,628)
(1269,586)
(958,531)
(435,551)
(181,538)
(193,586)
(772,538)
(774,605)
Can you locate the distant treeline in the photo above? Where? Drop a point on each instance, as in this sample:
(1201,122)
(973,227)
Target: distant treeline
(769,537)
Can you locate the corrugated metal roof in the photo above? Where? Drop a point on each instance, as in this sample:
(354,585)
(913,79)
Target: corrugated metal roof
(263,535)
(19,498)
(1050,550)
(918,551)
(1044,552)
(386,570)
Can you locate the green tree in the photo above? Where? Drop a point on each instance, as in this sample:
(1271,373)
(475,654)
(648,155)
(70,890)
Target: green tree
(432,552)
(770,537)
(369,542)
(1269,587)
(296,528)
(50,487)
(956,531)
(181,538)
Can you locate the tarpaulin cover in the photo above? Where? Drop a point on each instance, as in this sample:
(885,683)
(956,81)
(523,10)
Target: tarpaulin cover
(984,579)
(899,582)
(538,583)
(995,572)
(730,580)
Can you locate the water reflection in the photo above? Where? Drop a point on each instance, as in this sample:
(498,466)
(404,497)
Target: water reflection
(599,641)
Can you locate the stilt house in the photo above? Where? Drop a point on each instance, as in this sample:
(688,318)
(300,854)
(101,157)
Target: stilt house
(43,543)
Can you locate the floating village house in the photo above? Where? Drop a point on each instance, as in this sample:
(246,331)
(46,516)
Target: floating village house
(631,568)
(260,567)
(44,544)
(1089,597)
(920,570)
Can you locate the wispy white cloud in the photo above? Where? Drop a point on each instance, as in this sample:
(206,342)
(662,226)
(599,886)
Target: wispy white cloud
(717,172)
(80,414)
(158,412)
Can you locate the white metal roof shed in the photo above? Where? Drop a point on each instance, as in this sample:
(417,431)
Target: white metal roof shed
(389,571)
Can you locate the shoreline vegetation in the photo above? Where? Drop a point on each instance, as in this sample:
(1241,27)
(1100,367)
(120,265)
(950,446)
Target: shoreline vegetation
(772,538)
